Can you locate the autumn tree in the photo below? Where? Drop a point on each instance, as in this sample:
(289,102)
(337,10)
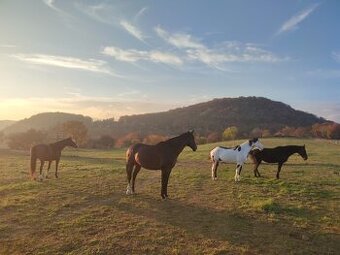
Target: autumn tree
(128,139)
(214,137)
(154,139)
(76,129)
(230,133)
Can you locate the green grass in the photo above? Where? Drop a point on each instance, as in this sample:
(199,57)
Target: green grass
(86,210)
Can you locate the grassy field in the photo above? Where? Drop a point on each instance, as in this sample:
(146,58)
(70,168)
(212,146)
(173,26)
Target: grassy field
(86,210)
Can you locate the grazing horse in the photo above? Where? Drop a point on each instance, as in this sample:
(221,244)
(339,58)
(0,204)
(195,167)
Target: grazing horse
(162,156)
(236,154)
(278,155)
(48,152)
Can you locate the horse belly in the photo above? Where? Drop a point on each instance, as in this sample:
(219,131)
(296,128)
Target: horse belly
(228,157)
(147,162)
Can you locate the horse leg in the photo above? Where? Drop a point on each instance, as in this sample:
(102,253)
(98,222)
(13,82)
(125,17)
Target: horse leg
(256,171)
(278,170)
(214,170)
(165,179)
(134,175)
(129,169)
(56,168)
(48,169)
(42,162)
(237,172)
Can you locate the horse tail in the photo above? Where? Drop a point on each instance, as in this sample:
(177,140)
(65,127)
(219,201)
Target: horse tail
(212,155)
(33,162)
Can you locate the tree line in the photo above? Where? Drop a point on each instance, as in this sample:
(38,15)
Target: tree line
(80,133)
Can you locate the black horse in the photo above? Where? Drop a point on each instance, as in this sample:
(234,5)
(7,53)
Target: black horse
(162,156)
(278,155)
(48,152)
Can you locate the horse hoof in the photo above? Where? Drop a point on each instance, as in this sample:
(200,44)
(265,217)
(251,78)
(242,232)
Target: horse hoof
(214,178)
(41,178)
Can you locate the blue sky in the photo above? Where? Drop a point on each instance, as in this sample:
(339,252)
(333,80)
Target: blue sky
(111,58)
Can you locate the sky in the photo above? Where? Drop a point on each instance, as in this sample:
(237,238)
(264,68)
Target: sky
(106,59)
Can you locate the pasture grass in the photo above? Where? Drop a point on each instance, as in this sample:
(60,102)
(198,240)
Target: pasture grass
(86,210)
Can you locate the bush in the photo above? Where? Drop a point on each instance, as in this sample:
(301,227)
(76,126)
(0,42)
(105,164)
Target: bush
(24,140)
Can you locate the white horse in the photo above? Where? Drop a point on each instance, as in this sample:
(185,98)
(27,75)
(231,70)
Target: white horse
(237,154)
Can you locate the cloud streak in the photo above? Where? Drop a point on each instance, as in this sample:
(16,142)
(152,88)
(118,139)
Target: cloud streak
(216,57)
(293,22)
(91,65)
(133,55)
(132,30)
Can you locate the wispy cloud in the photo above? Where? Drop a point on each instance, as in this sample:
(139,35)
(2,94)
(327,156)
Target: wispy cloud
(293,22)
(134,31)
(7,46)
(217,56)
(99,12)
(133,55)
(179,40)
(91,65)
(336,56)
(140,13)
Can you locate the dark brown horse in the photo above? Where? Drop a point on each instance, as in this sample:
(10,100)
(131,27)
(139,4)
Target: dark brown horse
(276,155)
(161,156)
(48,152)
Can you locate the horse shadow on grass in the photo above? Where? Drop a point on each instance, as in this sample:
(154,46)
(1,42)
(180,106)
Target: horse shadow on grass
(227,226)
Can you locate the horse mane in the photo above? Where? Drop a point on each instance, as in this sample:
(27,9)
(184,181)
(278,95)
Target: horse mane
(173,139)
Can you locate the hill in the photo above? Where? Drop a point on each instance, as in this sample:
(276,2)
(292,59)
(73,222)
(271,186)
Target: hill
(6,123)
(45,121)
(246,113)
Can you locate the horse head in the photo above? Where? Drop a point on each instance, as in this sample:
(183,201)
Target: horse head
(71,143)
(191,140)
(302,152)
(255,143)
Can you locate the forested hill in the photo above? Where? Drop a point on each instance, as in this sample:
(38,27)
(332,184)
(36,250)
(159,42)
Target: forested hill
(246,113)
(45,121)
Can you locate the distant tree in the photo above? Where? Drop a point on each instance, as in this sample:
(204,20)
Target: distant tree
(266,133)
(214,137)
(256,132)
(103,142)
(2,137)
(201,140)
(128,139)
(301,132)
(333,131)
(76,129)
(24,140)
(230,133)
(287,131)
(154,139)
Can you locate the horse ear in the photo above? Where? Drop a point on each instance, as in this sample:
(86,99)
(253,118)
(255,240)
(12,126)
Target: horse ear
(250,142)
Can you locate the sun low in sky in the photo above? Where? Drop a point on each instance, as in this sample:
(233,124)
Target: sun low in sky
(111,58)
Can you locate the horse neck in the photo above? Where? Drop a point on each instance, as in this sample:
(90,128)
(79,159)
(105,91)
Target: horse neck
(60,145)
(293,149)
(178,143)
(245,147)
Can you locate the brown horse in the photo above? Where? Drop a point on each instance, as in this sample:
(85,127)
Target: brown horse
(48,152)
(278,155)
(162,156)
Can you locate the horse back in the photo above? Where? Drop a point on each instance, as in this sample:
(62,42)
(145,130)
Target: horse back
(151,157)
(43,152)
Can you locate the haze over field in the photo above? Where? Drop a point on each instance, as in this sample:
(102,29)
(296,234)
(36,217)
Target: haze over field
(111,58)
